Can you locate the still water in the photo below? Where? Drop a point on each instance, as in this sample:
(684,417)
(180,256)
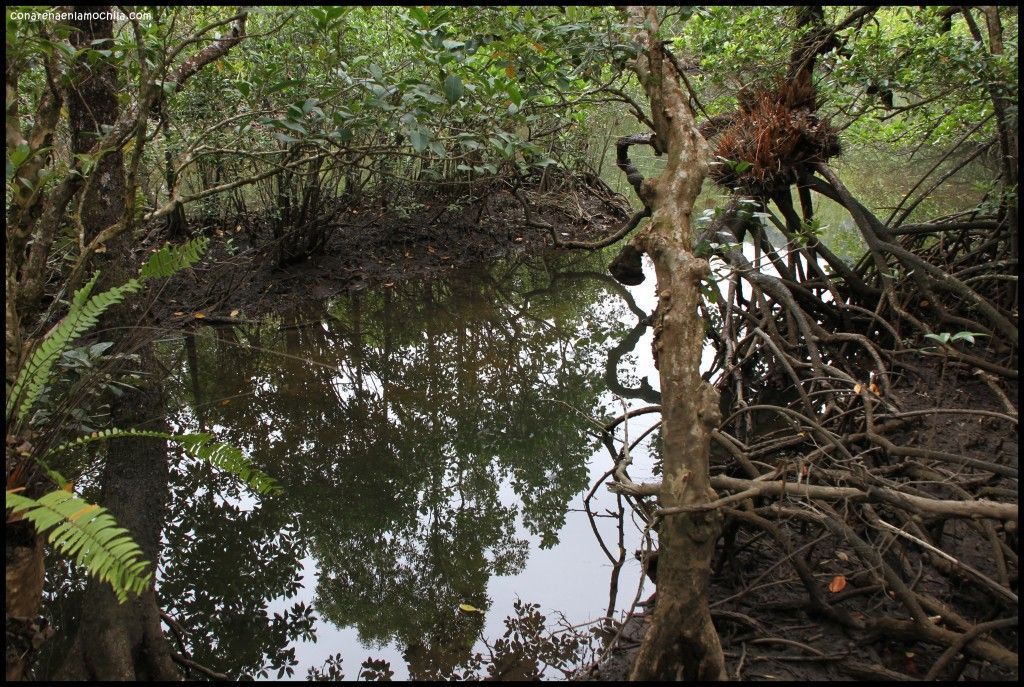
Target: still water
(433,445)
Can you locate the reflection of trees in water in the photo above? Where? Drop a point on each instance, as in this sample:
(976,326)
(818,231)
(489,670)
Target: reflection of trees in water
(392,427)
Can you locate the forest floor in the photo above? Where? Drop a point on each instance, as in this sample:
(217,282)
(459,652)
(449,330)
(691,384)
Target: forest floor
(370,246)
(763,615)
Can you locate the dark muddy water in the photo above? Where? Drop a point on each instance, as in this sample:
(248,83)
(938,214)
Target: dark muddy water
(433,447)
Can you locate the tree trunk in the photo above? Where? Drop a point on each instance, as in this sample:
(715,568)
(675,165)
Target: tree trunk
(682,642)
(92,104)
(124,641)
(117,641)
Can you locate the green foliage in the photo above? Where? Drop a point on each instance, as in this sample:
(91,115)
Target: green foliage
(171,259)
(200,446)
(453,88)
(88,534)
(82,316)
(436,93)
(947,337)
(227,458)
(902,76)
(77,529)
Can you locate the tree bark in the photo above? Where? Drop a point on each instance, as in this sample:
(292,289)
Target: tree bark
(92,105)
(682,642)
(116,641)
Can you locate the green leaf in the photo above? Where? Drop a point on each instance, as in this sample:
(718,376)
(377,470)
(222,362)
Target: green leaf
(419,138)
(437,148)
(297,127)
(227,458)
(419,15)
(82,316)
(453,89)
(199,445)
(88,534)
(171,259)
(967,336)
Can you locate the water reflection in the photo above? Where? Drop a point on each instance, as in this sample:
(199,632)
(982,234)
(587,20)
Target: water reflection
(421,433)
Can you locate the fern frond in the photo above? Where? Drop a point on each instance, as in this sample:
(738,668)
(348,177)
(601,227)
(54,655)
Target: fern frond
(227,458)
(88,534)
(104,435)
(223,456)
(170,259)
(82,295)
(83,315)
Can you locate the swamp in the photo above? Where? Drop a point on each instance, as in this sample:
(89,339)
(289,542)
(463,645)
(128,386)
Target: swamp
(511,343)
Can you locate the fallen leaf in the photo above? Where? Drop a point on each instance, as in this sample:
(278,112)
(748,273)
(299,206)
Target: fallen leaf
(199,315)
(856,388)
(843,556)
(874,389)
(389,284)
(179,313)
(225,401)
(837,584)
(234,313)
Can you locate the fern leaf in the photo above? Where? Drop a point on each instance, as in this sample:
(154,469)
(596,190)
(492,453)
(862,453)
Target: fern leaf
(83,315)
(82,295)
(227,458)
(170,259)
(88,534)
(201,446)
